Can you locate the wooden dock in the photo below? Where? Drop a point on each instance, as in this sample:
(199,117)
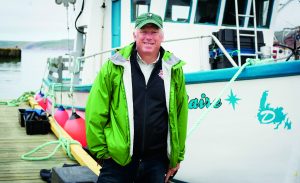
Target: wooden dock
(14,143)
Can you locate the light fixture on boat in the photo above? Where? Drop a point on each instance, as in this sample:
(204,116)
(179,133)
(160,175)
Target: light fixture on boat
(58,1)
(66,2)
(75,127)
(61,116)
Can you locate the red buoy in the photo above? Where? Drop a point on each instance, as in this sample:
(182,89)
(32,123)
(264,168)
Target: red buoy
(61,116)
(75,127)
(38,95)
(43,102)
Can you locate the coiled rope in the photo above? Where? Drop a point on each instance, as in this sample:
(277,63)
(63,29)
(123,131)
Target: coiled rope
(61,142)
(16,102)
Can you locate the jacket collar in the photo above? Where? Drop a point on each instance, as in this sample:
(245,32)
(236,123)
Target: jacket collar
(123,55)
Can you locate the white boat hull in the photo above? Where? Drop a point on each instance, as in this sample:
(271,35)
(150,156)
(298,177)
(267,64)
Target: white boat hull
(251,135)
(233,145)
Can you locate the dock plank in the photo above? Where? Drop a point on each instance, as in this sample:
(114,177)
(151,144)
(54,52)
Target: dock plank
(14,142)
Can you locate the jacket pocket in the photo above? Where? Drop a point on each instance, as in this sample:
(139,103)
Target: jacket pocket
(117,146)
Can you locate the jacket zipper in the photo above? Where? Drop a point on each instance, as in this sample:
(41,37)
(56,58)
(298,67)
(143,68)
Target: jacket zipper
(144,123)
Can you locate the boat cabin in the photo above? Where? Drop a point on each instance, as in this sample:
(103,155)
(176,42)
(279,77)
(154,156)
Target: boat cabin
(188,25)
(243,122)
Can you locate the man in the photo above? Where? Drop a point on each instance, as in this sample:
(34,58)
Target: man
(136,114)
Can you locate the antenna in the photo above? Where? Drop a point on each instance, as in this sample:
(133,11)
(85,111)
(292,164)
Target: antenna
(283,5)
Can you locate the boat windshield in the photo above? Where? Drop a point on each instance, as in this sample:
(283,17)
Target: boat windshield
(229,12)
(139,7)
(178,10)
(263,9)
(207,11)
(211,12)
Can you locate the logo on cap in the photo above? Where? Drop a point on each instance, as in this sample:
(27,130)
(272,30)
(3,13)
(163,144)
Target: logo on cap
(148,18)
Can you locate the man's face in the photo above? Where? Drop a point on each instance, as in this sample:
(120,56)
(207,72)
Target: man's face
(148,39)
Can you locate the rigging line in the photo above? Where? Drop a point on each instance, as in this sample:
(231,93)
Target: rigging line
(61,88)
(82,7)
(45,69)
(73,68)
(225,88)
(69,54)
(68,30)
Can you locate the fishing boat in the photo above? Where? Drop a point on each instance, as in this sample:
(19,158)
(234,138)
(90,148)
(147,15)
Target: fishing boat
(243,119)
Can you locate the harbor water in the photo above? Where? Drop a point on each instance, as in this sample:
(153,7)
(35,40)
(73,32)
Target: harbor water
(25,75)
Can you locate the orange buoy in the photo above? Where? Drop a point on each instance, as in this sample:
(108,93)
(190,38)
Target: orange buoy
(75,127)
(61,116)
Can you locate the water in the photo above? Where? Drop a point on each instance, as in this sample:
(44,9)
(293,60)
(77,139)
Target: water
(19,77)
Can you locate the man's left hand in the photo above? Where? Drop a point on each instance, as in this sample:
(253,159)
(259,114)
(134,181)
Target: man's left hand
(171,172)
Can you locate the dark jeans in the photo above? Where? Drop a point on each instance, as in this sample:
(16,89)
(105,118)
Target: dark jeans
(137,171)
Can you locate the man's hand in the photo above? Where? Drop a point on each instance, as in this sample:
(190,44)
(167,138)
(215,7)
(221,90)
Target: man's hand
(171,172)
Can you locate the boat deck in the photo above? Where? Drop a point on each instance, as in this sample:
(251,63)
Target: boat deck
(14,142)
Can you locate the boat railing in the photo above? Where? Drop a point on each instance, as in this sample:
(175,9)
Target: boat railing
(76,64)
(215,39)
(56,66)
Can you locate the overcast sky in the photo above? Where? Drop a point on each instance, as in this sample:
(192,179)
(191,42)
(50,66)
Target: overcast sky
(37,20)
(289,16)
(34,20)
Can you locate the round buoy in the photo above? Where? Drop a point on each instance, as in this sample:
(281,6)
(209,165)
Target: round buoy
(75,127)
(38,96)
(61,116)
(43,102)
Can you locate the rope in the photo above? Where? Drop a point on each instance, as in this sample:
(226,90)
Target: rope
(50,94)
(249,61)
(16,102)
(62,142)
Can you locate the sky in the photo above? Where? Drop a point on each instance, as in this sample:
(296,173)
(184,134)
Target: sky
(40,20)
(289,16)
(34,20)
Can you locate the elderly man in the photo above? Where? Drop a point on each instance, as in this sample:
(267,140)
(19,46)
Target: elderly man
(136,114)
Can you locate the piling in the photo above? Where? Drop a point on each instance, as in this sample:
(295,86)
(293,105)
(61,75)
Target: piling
(7,54)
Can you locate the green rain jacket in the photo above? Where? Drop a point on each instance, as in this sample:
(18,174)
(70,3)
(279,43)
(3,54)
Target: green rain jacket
(109,109)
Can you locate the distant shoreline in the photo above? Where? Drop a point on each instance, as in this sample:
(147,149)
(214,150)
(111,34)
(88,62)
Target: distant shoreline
(63,44)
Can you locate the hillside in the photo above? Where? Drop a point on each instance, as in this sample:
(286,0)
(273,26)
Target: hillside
(48,45)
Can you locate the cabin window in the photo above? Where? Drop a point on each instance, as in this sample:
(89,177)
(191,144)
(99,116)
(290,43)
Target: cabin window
(139,7)
(263,13)
(229,12)
(207,11)
(178,10)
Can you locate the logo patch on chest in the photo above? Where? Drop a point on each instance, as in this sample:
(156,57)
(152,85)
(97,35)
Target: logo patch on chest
(161,74)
